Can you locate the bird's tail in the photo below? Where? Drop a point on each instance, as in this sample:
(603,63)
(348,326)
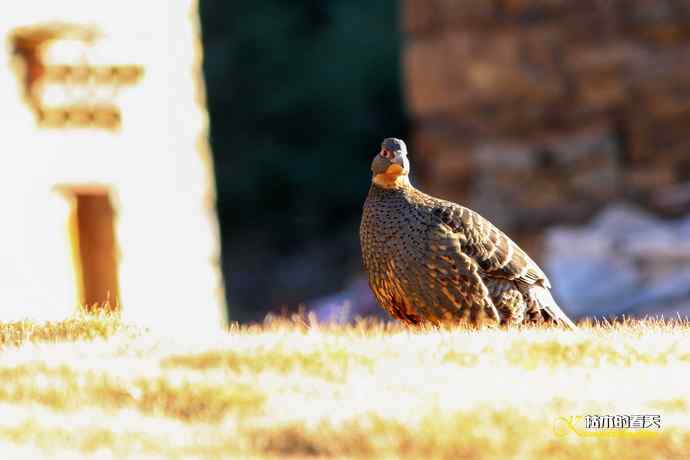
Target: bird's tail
(548,304)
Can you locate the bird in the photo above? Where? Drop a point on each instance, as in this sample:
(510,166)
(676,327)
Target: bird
(432,261)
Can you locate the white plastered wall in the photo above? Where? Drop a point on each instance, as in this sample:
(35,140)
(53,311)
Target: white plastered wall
(156,166)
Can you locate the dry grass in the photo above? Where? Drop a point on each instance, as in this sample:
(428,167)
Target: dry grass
(91,387)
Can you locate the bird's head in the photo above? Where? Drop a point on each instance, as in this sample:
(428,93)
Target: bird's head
(391,167)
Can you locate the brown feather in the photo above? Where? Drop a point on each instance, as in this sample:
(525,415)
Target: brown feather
(431,260)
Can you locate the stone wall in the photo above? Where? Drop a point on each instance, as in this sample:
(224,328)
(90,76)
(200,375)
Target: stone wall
(537,112)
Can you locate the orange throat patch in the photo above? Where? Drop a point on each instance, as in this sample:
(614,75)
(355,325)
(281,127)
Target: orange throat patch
(393,177)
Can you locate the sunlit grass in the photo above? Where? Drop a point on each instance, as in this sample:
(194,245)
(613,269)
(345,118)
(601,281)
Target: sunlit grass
(91,386)
(83,327)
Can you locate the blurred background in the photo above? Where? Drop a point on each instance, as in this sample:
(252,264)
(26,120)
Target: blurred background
(565,123)
(300,95)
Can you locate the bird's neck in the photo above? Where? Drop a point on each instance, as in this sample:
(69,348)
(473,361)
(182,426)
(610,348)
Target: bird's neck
(391,181)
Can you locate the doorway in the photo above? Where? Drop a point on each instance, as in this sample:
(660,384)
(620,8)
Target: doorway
(94,245)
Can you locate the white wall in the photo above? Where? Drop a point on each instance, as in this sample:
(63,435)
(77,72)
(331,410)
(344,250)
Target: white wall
(161,183)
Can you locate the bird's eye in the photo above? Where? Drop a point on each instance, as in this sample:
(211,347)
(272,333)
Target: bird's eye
(387,154)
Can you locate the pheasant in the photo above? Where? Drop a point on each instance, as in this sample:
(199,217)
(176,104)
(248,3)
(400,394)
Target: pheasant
(433,261)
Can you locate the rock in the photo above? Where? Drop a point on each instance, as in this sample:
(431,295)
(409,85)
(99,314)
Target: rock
(547,180)
(428,86)
(625,261)
(538,75)
(418,16)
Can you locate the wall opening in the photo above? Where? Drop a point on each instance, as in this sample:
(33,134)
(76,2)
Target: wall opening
(94,244)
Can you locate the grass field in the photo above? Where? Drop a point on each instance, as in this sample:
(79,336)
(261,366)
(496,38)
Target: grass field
(91,387)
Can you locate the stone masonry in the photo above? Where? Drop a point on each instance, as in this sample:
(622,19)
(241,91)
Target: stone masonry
(536,112)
